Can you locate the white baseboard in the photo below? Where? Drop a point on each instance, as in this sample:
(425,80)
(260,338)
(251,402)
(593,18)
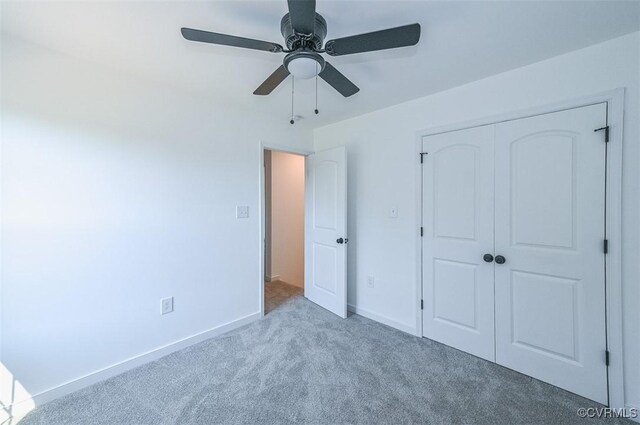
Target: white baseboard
(272,278)
(382,319)
(128,364)
(297,285)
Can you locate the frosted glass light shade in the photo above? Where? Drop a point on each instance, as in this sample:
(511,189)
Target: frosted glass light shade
(303,67)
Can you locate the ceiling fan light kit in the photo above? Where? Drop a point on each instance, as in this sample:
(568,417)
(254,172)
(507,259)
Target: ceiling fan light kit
(304,63)
(304,31)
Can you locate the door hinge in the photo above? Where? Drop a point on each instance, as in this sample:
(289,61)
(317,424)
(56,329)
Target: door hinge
(606,246)
(606,357)
(606,132)
(421,231)
(422,154)
(421,304)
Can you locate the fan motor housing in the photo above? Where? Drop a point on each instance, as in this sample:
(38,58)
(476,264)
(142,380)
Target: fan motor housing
(294,40)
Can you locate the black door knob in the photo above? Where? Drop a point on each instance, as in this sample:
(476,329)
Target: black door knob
(340,240)
(488,258)
(500,259)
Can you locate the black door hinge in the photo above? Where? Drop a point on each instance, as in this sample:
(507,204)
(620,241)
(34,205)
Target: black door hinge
(421,304)
(606,246)
(421,231)
(422,154)
(606,357)
(606,132)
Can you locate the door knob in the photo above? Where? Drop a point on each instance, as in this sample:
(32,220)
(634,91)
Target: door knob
(488,258)
(500,259)
(340,240)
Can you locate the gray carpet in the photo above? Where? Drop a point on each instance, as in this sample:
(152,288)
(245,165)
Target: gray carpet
(301,364)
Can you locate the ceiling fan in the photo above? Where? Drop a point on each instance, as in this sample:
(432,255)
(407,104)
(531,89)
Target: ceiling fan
(304,31)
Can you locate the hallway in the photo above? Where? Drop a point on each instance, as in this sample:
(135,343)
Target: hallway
(277,293)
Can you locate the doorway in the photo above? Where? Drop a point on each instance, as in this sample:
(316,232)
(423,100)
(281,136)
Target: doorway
(318,268)
(284,179)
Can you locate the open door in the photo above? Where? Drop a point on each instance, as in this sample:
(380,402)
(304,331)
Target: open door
(325,281)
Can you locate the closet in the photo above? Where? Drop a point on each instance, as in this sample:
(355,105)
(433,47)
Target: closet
(513,260)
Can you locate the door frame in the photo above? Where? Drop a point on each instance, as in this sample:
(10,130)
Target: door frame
(261,206)
(613,223)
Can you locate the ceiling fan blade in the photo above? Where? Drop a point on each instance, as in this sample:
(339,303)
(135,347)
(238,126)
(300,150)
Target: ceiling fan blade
(338,81)
(303,15)
(407,35)
(229,40)
(278,76)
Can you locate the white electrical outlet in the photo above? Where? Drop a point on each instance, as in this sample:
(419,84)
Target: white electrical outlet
(242,211)
(166,305)
(370,282)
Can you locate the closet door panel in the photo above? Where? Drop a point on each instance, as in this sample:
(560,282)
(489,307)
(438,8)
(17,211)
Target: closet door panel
(549,226)
(458,231)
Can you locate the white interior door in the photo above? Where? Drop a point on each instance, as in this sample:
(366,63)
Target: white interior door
(325,280)
(550,293)
(458,231)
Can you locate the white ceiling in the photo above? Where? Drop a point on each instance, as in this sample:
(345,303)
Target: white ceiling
(461,42)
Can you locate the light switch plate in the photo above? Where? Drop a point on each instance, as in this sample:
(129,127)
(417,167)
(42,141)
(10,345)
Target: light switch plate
(393,212)
(242,211)
(166,305)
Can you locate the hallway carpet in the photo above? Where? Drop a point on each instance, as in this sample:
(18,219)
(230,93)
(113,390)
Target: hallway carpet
(277,293)
(303,365)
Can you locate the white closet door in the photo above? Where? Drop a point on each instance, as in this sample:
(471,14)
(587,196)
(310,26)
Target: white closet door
(458,231)
(550,293)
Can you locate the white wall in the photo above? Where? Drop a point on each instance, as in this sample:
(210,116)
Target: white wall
(117,192)
(287,217)
(383,171)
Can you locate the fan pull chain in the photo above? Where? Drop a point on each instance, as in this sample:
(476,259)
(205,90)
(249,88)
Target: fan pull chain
(316,110)
(293,82)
